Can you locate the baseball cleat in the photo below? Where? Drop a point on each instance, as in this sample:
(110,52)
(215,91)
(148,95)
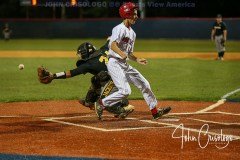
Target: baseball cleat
(88,105)
(82,102)
(219,58)
(161,112)
(98,110)
(127,110)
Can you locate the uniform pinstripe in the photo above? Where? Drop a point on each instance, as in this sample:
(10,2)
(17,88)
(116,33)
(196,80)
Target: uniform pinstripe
(122,73)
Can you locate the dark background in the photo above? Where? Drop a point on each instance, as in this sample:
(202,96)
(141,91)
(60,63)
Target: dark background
(202,8)
(64,21)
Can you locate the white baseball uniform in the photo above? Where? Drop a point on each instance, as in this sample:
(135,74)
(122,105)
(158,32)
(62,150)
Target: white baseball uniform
(122,73)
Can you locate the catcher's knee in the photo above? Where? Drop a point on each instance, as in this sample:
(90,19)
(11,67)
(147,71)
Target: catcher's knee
(91,96)
(100,80)
(95,81)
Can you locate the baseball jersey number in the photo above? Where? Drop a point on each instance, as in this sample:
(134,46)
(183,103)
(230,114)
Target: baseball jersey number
(103,59)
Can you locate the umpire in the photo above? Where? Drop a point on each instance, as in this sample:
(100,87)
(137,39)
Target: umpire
(219,35)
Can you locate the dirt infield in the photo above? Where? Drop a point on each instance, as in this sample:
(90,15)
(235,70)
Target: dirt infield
(65,128)
(71,54)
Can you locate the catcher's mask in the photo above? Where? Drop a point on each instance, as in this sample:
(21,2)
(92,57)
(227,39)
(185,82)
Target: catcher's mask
(85,50)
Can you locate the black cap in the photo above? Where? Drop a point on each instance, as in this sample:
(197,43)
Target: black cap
(219,16)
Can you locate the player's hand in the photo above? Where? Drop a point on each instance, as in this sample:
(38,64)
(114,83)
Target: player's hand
(212,38)
(124,57)
(142,61)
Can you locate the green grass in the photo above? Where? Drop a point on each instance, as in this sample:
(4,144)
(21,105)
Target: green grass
(151,45)
(234,98)
(170,79)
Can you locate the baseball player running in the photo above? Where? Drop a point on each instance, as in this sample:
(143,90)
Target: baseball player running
(219,35)
(92,61)
(120,48)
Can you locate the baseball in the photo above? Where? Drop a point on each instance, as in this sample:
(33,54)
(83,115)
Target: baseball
(21,66)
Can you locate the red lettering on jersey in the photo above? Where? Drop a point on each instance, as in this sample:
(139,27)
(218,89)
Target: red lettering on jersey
(125,39)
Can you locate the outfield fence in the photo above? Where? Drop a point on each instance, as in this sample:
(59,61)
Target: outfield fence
(182,28)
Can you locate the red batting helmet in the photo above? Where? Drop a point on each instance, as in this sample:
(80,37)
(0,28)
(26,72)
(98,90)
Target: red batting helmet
(126,11)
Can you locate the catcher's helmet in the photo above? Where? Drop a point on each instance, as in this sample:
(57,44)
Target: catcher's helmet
(126,11)
(85,50)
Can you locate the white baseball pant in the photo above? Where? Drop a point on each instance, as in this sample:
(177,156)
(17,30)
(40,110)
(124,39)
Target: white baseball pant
(122,74)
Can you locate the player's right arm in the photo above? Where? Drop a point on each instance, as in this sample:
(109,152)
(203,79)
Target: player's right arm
(117,35)
(213,34)
(116,49)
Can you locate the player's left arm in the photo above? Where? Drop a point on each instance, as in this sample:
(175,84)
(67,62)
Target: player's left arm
(46,77)
(70,73)
(142,61)
(224,32)
(62,75)
(225,35)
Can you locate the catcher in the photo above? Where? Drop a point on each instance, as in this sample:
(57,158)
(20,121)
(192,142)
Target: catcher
(91,61)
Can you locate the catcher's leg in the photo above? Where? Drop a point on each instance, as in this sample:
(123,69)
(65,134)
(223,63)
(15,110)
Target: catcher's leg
(90,98)
(92,94)
(121,109)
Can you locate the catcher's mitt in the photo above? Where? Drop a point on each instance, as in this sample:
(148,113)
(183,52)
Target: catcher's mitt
(44,75)
(222,42)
